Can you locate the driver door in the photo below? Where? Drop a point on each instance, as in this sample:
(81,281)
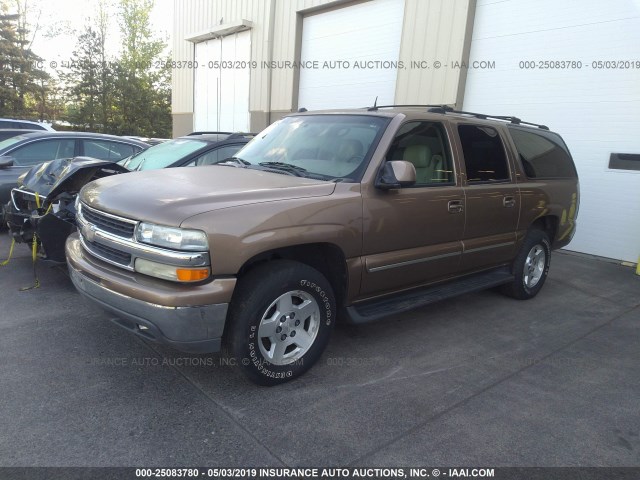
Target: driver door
(413,235)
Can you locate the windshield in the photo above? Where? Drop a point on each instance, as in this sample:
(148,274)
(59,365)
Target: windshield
(327,147)
(163,154)
(10,141)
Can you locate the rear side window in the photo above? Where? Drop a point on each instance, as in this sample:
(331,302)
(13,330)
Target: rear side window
(484,155)
(106,150)
(543,154)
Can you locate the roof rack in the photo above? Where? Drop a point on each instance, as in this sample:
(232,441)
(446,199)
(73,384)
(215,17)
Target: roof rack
(376,107)
(203,132)
(231,134)
(515,120)
(447,109)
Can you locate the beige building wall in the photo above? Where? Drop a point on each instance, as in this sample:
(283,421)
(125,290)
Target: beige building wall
(433,30)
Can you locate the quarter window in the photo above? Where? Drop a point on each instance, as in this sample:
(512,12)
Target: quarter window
(484,155)
(543,155)
(424,144)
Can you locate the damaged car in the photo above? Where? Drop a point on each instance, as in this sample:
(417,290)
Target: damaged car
(42,208)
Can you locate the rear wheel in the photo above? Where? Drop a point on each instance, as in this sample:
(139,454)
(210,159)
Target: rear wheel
(280,321)
(531,266)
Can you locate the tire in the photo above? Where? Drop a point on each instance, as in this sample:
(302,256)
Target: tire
(280,321)
(530,267)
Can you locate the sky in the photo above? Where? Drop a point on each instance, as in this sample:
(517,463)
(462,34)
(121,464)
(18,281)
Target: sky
(62,21)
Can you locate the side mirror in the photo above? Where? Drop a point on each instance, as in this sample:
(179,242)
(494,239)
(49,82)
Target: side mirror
(396,174)
(6,161)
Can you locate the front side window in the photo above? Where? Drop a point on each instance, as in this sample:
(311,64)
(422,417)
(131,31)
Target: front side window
(484,155)
(216,156)
(325,147)
(163,154)
(45,150)
(424,144)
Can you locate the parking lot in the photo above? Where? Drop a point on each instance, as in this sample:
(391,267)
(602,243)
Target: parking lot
(480,380)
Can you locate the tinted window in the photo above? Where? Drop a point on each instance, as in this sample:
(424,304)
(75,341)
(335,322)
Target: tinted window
(105,150)
(543,154)
(5,124)
(484,155)
(38,152)
(217,155)
(425,145)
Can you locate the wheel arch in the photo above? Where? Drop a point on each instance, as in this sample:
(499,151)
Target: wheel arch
(327,258)
(549,224)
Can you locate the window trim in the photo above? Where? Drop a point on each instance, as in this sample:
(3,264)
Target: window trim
(504,148)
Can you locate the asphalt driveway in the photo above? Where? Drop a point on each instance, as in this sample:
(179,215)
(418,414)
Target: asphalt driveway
(481,380)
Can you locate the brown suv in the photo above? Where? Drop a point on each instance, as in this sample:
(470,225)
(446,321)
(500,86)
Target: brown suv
(355,213)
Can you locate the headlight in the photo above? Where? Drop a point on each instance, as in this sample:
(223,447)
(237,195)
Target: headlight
(173,238)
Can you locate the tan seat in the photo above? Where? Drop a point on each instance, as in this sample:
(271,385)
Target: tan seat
(350,150)
(420,156)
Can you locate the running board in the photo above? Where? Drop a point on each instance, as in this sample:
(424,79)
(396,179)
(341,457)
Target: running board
(371,310)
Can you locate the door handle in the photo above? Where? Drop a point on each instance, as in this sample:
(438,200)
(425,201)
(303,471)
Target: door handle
(455,206)
(508,201)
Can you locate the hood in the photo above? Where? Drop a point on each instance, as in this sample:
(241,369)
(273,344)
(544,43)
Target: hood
(68,174)
(170,196)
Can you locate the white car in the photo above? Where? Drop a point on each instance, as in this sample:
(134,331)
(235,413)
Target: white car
(25,124)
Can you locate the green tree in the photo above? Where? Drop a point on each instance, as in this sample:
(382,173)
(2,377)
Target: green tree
(142,75)
(89,81)
(23,83)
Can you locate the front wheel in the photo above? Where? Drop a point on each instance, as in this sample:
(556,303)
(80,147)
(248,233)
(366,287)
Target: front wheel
(530,267)
(280,321)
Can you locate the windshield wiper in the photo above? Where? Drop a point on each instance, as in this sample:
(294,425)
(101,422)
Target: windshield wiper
(234,161)
(286,167)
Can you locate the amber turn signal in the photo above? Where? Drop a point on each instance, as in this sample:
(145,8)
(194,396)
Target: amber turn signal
(192,274)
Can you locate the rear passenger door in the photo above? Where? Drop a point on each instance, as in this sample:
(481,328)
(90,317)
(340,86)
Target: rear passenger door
(492,198)
(413,235)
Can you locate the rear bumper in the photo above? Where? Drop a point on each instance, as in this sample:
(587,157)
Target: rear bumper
(194,329)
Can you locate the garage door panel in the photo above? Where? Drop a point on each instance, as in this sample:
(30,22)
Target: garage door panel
(221,96)
(595,110)
(366,31)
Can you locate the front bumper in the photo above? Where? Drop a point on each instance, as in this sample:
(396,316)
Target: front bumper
(194,329)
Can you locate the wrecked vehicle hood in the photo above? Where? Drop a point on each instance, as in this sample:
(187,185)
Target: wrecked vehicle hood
(170,196)
(66,175)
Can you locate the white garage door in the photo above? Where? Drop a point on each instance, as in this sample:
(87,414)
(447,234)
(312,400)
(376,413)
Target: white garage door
(367,32)
(594,109)
(221,91)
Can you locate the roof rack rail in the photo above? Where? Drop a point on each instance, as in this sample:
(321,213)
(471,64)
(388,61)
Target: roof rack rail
(203,132)
(448,109)
(515,120)
(241,135)
(376,107)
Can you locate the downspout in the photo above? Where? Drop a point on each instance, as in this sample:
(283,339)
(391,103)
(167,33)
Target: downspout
(272,19)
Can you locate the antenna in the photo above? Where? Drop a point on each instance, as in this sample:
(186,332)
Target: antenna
(375,106)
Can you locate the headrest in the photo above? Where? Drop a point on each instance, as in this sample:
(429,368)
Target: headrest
(419,155)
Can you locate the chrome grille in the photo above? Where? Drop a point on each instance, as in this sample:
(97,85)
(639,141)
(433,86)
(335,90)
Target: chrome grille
(108,253)
(108,223)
